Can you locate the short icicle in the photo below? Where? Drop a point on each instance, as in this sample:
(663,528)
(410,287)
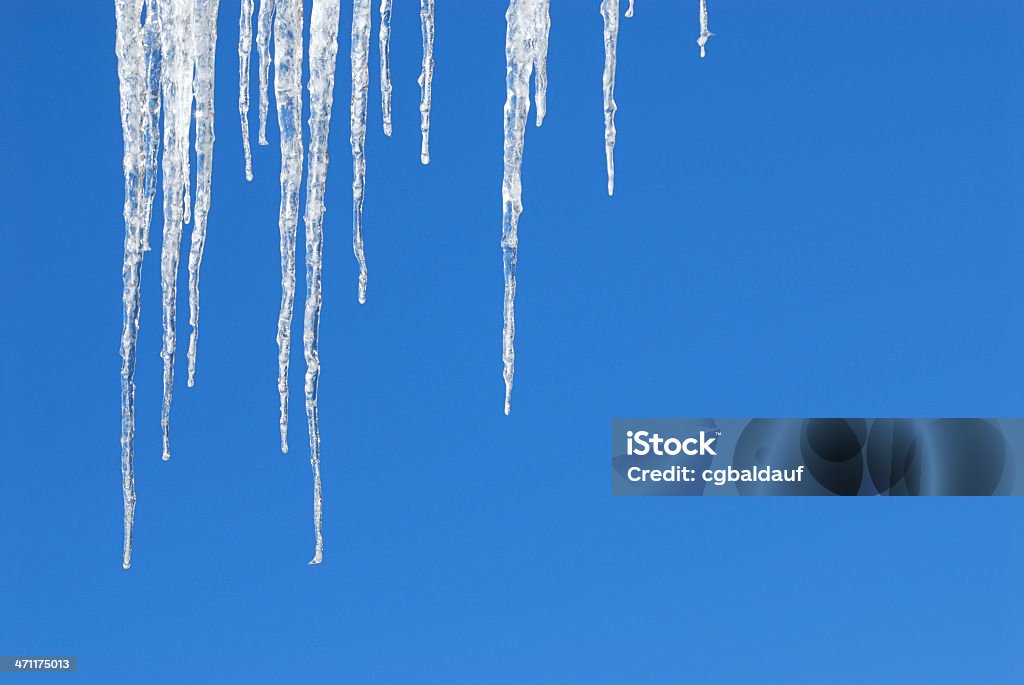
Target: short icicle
(177,65)
(540,77)
(288,93)
(323,53)
(385,63)
(244,53)
(426,79)
(705,34)
(610,14)
(264,23)
(357,121)
(526,39)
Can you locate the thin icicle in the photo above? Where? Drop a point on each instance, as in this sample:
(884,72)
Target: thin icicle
(244,52)
(131,71)
(185,159)
(385,63)
(323,55)
(610,14)
(288,93)
(151,44)
(360,88)
(540,79)
(263,28)
(205,32)
(702,39)
(426,79)
(629,11)
(526,38)
(176,79)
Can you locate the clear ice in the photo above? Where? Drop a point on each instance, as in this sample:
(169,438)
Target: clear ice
(288,93)
(244,53)
(385,63)
(323,52)
(702,39)
(360,90)
(264,23)
(426,79)
(526,41)
(176,70)
(205,31)
(166,62)
(610,14)
(132,76)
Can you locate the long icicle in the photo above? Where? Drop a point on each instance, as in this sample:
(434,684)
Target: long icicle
(244,53)
(288,93)
(385,63)
(323,55)
(705,34)
(151,44)
(263,29)
(426,79)
(205,32)
(176,77)
(132,76)
(526,35)
(360,88)
(610,14)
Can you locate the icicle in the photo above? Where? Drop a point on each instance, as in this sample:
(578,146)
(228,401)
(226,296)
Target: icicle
(288,93)
(186,162)
(263,25)
(702,39)
(385,63)
(323,54)
(176,80)
(629,11)
(205,33)
(151,43)
(610,13)
(540,79)
(244,51)
(426,78)
(526,39)
(131,71)
(360,87)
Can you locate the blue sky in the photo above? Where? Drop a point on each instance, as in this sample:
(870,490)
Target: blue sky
(821,218)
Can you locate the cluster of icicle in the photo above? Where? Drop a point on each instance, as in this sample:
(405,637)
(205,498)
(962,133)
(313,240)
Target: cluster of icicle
(526,47)
(166,51)
(165,54)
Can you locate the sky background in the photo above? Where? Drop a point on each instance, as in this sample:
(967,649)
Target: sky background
(821,218)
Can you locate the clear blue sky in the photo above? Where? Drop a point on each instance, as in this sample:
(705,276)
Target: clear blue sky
(822,218)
